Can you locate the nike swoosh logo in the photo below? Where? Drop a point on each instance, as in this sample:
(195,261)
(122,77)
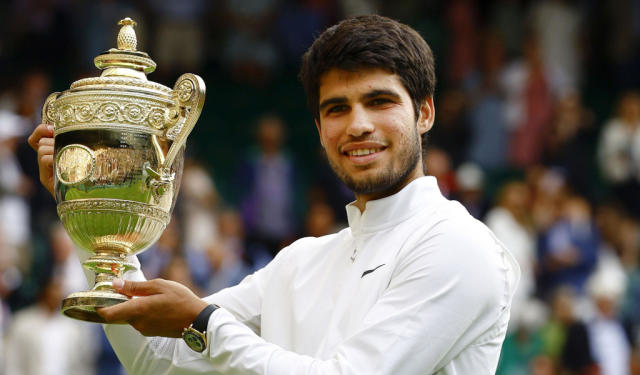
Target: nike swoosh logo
(365,273)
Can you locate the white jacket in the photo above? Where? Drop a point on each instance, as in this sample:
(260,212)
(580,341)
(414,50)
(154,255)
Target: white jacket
(428,291)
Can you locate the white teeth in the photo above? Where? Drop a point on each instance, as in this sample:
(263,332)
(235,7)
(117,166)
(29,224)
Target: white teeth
(363,151)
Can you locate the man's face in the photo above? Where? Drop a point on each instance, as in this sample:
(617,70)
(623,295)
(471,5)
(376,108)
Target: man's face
(368,129)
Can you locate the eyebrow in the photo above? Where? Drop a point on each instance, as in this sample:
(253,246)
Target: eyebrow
(381,92)
(368,95)
(330,101)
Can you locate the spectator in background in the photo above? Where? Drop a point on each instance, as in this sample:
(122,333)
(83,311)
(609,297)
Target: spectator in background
(619,152)
(470,190)
(548,190)
(249,51)
(565,336)
(487,120)
(15,228)
(568,143)
(438,164)
(627,240)
(569,248)
(506,17)
(65,261)
(43,341)
(531,88)
(620,234)
(320,220)
(268,178)
(227,260)
(298,22)
(452,132)
(33,88)
(197,206)
(461,18)
(608,340)
(542,365)
(557,23)
(45,24)
(619,44)
(157,257)
(178,270)
(523,347)
(97,20)
(197,210)
(179,34)
(328,188)
(511,222)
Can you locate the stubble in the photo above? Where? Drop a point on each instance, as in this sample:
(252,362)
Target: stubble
(388,179)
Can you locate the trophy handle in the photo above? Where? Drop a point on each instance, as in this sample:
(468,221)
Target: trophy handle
(189,92)
(48,115)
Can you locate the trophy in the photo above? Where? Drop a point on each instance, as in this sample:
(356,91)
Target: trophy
(118,158)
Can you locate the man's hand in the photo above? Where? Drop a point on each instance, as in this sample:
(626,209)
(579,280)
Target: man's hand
(162,307)
(41,140)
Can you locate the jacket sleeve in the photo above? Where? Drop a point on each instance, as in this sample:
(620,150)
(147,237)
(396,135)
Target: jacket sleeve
(157,355)
(162,355)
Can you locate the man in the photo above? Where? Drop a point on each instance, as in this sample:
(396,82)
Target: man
(415,285)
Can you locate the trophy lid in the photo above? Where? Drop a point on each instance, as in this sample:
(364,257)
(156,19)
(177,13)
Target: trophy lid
(125,61)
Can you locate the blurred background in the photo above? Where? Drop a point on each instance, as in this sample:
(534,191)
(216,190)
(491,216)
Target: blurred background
(537,133)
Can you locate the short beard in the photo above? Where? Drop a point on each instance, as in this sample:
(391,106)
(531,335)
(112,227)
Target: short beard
(387,181)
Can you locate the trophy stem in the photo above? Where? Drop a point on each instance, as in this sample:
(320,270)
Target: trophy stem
(107,265)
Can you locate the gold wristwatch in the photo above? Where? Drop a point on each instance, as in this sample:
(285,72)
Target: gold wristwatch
(196,334)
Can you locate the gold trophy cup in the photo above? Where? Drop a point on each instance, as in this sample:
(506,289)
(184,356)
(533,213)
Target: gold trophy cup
(119,142)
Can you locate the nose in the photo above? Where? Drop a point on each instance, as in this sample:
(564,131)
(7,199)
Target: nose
(359,122)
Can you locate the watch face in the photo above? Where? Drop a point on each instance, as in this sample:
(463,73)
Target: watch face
(194,340)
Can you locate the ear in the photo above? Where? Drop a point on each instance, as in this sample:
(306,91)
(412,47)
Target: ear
(427,115)
(319,132)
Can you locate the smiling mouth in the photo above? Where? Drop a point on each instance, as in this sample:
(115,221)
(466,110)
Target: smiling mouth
(363,151)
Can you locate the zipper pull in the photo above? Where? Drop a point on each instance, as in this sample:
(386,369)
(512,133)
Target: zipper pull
(353,256)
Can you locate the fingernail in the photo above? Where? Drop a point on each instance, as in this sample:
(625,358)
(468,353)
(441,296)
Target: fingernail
(118,283)
(50,128)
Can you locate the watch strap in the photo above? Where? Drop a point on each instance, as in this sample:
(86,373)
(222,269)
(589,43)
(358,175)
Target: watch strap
(202,320)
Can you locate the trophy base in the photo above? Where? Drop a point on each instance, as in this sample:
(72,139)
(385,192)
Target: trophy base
(83,305)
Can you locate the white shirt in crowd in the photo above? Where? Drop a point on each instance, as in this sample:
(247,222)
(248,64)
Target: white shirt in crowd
(415,285)
(521,243)
(619,151)
(41,342)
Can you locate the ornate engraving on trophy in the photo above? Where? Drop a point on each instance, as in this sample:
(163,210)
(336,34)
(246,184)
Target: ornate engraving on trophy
(146,115)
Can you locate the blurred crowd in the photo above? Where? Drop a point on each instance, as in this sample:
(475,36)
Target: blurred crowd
(537,133)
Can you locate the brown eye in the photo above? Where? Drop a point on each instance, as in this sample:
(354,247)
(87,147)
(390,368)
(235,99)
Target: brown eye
(337,109)
(379,101)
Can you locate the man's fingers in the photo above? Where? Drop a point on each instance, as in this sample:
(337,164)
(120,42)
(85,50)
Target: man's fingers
(121,312)
(41,140)
(45,150)
(46,141)
(47,160)
(138,288)
(41,131)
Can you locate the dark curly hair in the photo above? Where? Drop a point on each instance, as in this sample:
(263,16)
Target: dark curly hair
(371,41)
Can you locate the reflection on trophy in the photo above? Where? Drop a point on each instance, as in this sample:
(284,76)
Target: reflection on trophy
(119,142)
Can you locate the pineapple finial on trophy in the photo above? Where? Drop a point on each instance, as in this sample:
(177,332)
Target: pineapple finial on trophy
(127,40)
